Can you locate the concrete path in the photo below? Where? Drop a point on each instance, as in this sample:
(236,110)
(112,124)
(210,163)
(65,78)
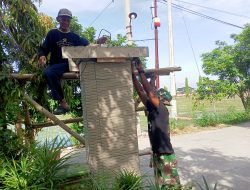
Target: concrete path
(222,156)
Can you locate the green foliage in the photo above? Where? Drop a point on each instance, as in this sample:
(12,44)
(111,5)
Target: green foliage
(18,174)
(233,117)
(89,33)
(21,32)
(230,117)
(207,119)
(10,93)
(120,41)
(127,180)
(20,36)
(78,129)
(173,124)
(37,168)
(124,180)
(48,162)
(89,182)
(10,145)
(231,65)
(75,26)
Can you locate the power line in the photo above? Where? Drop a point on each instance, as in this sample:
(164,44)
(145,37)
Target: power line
(190,42)
(101,13)
(203,15)
(218,10)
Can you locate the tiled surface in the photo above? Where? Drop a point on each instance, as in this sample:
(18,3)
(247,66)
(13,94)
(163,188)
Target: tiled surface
(109,116)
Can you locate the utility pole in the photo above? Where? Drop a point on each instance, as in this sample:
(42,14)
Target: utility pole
(127,20)
(157,80)
(173,113)
(130,42)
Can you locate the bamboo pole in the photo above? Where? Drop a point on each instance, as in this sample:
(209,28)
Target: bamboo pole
(66,76)
(53,118)
(29,132)
(51,123)
(75,75)
(19,130)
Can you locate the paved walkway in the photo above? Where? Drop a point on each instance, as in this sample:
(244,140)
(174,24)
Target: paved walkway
(221,155)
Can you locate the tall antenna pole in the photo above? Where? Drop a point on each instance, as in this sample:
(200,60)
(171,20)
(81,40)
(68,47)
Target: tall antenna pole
(127,22)
(173,113)
(157,81)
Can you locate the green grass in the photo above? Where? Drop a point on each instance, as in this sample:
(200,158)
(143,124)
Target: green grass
(185,106)
(187,111)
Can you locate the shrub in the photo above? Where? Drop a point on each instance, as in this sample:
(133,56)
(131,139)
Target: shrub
(10,146)
(78,128)
(128,180)
(230,117)
(20,174)
(234,116)
(124,180)
(207,119)
(37,168)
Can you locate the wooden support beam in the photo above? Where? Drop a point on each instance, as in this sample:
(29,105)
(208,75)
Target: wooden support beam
(53,118)
(161,71)
(29,132)
(51,123)
(66,76)
(76,75)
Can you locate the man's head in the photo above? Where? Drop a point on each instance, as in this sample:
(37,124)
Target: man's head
(64,17)
(164,96)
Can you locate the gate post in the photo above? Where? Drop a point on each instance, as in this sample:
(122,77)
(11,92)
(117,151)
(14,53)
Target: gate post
(108,106)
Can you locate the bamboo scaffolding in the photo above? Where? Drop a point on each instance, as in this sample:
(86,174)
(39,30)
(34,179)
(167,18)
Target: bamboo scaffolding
(75,75)
(51,123)
(53,118)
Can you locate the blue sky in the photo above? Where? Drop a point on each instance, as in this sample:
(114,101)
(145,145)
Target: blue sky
(202,32)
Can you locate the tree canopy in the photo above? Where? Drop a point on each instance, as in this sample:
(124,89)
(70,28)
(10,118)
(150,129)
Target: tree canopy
(23,29)
(231,65)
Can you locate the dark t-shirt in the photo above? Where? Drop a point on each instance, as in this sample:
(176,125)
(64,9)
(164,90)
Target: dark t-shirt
(56,39)
(158,129)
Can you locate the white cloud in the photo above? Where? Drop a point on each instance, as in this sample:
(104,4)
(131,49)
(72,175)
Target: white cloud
(203,32)
(76,6)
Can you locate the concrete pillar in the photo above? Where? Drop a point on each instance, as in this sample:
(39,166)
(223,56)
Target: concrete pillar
(108,106)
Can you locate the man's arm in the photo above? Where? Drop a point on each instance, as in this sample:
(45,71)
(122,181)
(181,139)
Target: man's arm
(138,87)
(44,50)
(146,86)
(84,42)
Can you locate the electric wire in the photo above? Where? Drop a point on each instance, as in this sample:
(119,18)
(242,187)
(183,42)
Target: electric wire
(206,16)
(104,9)
(202,15)
(218,10)
(190,43)
(152,17)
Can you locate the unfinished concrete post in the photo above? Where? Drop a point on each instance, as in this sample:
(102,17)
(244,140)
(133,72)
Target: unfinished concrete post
(108,106)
